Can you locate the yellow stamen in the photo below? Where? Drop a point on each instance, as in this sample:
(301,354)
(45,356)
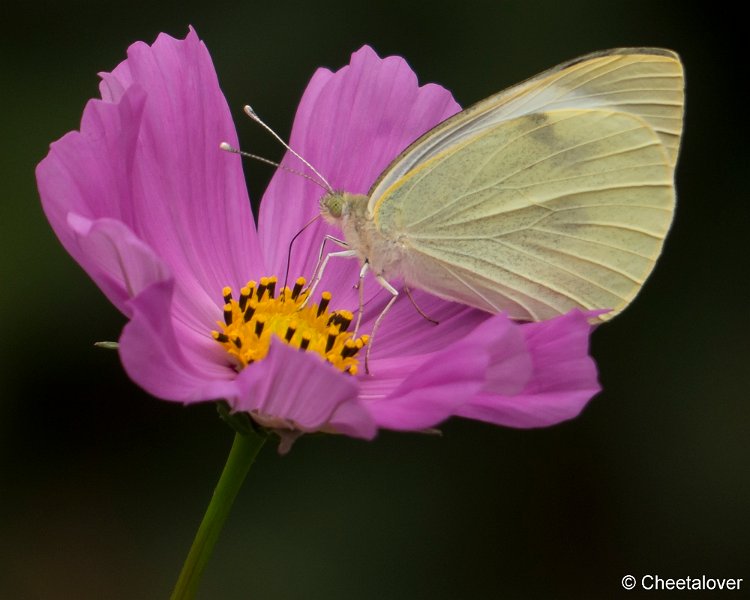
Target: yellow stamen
(258,314)
(298,285)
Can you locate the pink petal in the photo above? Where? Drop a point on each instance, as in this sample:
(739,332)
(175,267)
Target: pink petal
(80,177)
(350,125)
(404,331)
(563,379)
(148,156)
(303,390)
(352,419)
(168,359)
(121,263)
(448,379)
(431,393)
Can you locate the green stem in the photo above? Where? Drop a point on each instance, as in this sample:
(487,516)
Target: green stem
(244,450)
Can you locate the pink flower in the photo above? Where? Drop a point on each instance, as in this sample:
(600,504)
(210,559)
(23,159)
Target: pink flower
(143,198)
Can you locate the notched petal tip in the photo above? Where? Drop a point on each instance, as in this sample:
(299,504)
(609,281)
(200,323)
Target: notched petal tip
(148,155)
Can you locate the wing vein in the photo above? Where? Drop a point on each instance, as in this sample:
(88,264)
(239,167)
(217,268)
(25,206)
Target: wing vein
(523,276)
(617,226)
(511,297)
(597,263)
(562,269)
(436,236)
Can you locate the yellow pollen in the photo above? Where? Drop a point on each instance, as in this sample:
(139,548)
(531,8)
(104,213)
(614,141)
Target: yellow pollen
(259,313)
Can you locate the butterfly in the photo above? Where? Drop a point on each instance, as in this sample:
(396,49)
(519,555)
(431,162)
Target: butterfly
(554,194)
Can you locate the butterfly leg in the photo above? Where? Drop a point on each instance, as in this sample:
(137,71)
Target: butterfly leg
(361,293)
(327,238)
(419,310)
(323,261)
(394,296)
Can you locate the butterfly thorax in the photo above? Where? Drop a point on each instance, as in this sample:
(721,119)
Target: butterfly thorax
(349,213)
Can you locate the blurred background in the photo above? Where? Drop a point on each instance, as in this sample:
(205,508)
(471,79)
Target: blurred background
(102,487)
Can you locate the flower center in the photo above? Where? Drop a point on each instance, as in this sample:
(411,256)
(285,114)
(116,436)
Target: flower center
(258,314)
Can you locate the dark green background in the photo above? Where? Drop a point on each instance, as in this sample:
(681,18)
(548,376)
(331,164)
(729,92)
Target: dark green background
(102,487)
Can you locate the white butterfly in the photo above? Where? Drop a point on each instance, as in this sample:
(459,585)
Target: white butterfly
(554,194)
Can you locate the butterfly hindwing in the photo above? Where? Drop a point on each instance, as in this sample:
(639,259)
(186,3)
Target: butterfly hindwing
(536,214)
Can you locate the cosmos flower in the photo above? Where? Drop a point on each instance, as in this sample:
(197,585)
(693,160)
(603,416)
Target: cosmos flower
(146,202)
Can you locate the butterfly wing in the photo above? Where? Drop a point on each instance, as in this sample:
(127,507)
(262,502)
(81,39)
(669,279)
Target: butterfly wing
(645,82)
(537,214)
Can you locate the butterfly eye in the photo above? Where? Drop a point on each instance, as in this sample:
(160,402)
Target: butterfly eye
(332,205)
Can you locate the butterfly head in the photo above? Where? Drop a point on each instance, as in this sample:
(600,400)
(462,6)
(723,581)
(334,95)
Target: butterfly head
(332,206)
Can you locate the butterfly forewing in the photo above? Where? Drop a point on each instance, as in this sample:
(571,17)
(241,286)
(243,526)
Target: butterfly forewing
(645,82)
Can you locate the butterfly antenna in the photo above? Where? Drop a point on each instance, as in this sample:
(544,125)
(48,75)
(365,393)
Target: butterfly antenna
(254,116)
(229,148)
